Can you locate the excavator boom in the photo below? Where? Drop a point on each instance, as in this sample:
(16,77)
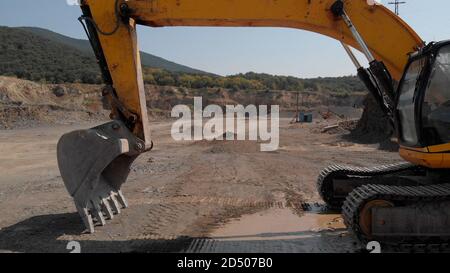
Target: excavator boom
(113,24)
(95,163)
(389,38)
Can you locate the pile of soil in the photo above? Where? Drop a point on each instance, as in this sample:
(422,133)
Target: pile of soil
(349,125)
(25,104)
(335,126)
(28,116)
(374,125)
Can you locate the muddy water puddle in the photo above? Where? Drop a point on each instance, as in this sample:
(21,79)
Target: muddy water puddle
(279,223)
(280,230)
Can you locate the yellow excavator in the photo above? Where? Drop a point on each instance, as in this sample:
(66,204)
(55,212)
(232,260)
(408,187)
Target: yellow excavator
(406,203)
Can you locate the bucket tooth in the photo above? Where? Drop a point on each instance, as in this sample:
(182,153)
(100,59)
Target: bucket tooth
(86,218)
(97,212)
(94,164)
(115,203)
(122,199)
(107,208)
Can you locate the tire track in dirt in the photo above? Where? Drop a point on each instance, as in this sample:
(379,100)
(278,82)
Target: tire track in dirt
(215,211)
(167,211)
(209,166)
(219,201)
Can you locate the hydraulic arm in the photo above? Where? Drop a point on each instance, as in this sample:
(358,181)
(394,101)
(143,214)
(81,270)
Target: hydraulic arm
(95,163)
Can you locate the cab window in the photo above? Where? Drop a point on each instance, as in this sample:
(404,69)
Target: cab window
(406,104)
(436,104)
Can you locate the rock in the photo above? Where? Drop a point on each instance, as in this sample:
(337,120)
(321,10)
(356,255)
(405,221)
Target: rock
(73,91)
(59,91)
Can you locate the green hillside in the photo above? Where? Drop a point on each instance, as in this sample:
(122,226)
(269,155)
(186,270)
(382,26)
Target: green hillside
(148,60)
(30,56)
(79,44)
(41,55)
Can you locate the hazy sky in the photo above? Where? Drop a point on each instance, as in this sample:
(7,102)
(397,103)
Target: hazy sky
(232,50)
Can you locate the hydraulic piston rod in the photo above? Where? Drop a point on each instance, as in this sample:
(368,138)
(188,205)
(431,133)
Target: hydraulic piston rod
(351,55)
(339,11)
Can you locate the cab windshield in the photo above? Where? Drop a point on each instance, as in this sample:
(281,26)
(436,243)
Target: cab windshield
(406,105)
(436,104)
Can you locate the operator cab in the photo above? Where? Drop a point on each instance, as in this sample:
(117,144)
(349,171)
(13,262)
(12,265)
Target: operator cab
(423,101)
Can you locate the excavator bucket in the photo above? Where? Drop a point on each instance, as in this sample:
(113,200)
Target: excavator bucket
(94,164)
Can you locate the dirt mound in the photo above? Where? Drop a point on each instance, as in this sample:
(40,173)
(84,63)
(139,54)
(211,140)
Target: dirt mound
(374,125)
(349,125)
(36,115)
(28,104)
(338,128)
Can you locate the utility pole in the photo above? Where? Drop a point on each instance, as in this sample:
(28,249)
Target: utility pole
(397,4)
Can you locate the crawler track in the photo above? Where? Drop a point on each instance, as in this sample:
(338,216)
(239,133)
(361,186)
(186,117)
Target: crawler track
(326,177)
(406,195)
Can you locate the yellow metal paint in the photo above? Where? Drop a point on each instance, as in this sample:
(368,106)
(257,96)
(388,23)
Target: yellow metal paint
(426,158)
(389,38)
(439,148)
(122,55)
(420,149)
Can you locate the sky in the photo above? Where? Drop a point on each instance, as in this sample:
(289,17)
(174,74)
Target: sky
(227,51)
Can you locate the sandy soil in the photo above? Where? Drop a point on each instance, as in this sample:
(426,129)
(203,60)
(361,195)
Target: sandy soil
(184,196)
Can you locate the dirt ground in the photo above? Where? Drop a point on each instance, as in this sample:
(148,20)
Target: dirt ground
(184,196)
